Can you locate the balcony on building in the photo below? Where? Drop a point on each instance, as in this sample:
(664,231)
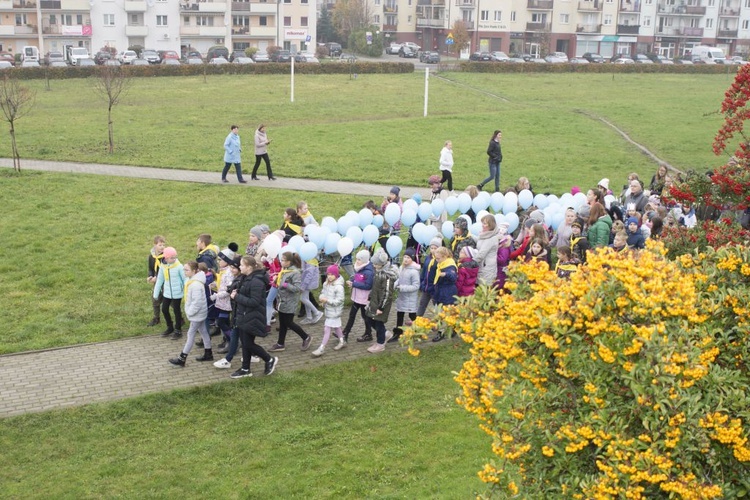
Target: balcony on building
(589,28)
(537,26)
(50,4)
(27,29)
(24,4)
(681,10)
(390,8)
(590,5)
(726,12)
(135,5)
(136,30)
(539,4)
(263,32)
(628,29)
(691,31)
(240,30)
(240,6)
(726,33)
(390,27)
(630,5)
(203,6)
(263,8)
(465,4)
(431,23)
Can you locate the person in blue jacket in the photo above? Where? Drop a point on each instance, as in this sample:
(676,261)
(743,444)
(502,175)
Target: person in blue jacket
(170,281)
(232,150)
(635,237)
(446,275)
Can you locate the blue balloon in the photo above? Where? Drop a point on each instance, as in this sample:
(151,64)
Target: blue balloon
(500,218)
(451,205)
(378,220)
(330,223)
(370,234)
(332,242)
(477,204)
(343,225)
(296,242)
(497,200)
(409,217)
(425,210)
(464,202)
(510,206)
(354,233)
(557,218)
(553,199)
(365,217)
(447,229)
(540,201)
(512,220)
(317,235)
(417,198)
(410,205)
(394,246)
(525,199)
(418,232)
(392,213)
(308,251)
(475,229)
(429,233)
(437,207)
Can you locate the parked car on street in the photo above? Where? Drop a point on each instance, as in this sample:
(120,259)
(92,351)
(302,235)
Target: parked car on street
(170,62)
(53,56)
(102,56)
(243,60)
(429,57)
(555,59)
(624,60)
(235,54)
(480,56)
(139,62)
(517,60)
(411,45)
(127,56)
(29,64)
(7,56)
(579,60)
(303,57)
(499,56)
(407,52)
(739,60)
(347,58)
(261,57)
(642,59)
(112,62)
(58,64)
(683,61)
(593,58)
(659,59)
(151,56)
(218,60)
(167,54)
(334,49)
(5,64)
(217,51)
(282,56)
(194,60)
(86,62)
(193,54)
(393,48)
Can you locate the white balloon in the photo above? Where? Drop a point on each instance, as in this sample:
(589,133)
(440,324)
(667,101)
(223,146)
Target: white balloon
(481,214)
(475,229)
(525,199)
(343,225)
(308,251)
(296,242)
(540,201)
(408,217)
(430,232)
(365,217)
(511,197)
(464,202)
(437,207)
(553,199)
(418,232)
(370,234)
(608,201)
(332,242)
(345,246)
(497,200)
(451,205)
(509,207)
(512,220)
(317,235)
(499,218)
(424,211)
(392,213)
(578,200)
(447,229)
(354,233)
(410,204)
(272,245)
(330,223)
(393,246)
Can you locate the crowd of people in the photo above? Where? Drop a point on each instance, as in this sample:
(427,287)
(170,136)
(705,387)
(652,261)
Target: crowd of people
(238,295)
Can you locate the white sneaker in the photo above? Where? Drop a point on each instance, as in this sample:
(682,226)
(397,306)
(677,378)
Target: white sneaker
(223,363)
(305,321)
(340,345)
(375,348)
(317,318)
(388,335)
(319,351)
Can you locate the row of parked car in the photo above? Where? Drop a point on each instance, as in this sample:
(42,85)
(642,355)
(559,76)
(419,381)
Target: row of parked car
(589,58)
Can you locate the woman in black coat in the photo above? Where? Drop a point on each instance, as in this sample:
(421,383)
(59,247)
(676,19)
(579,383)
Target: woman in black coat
(495,154)
(249,305)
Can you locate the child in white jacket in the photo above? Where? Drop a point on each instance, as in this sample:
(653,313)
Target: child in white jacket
(196,310)
(332,298)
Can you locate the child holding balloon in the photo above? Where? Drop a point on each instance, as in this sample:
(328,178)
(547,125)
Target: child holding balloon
(361,284)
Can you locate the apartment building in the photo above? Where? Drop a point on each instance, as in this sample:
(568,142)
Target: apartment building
(179,25)
(608,27)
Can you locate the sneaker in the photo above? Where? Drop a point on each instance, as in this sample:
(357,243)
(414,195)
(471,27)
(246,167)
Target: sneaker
(176,335)
(365,338)
(223,363)
(273,319)
(277,348)
(340,345)
(317,318)
(241,374)
(305,321)
(168,332)
(223,350)
(319,351)
(388,335)
(375,348)
(306,343)
(271,366)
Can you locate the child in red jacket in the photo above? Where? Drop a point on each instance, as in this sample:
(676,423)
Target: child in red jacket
(468,271)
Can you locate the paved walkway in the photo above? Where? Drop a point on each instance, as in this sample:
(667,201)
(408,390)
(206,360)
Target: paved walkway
(78,375)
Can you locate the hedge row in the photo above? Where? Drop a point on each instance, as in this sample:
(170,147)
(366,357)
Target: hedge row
(483,67)
(210,69)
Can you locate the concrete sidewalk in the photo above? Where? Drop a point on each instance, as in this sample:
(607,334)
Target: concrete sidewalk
(78,375)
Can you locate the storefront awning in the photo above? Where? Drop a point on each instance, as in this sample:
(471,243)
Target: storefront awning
(610,38)
(589,38)
(628,39)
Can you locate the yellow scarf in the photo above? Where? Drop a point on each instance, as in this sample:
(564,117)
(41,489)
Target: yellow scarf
(282,273)
(168,267)
(157,261)
(456,239)
(294,227)
(305,215)
(442,265)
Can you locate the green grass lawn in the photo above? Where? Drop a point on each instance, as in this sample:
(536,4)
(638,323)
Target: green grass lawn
(380,427)
(371,129)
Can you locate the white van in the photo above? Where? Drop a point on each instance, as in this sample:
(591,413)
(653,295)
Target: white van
(30,53)
(708,55)
(75,54)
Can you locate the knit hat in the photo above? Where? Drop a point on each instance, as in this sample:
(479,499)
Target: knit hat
(604,183)
(434,179)
(472,252)
(577,223)
(575,190)
(437,241)
(529,222)
(236,261)
(380,258)
(632,220)
(537,216)
(363,256)
(265,228)
(257,231)
(503,226)
(395,190)
(228,254)
(461,224)
(411,253)
(169,252)
(333,269)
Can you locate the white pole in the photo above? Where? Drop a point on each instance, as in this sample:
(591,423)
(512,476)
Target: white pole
(292,78)
(426,88)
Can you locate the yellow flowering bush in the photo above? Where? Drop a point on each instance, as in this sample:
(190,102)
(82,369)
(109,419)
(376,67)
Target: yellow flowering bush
(628,380)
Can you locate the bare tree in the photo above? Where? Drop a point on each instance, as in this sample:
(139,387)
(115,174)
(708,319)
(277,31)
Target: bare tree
(461,37)
(112,83)
(350,15)
(15,101)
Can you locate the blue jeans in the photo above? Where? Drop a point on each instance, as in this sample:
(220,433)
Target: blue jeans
(494,174)
(237,167)
(269,304)
(234,340)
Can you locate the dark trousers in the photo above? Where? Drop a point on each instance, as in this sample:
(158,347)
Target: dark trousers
(175,304)
(250,348)
(286,322)
(353,315)
(264,156)
(156,303)
(447,176)
(237,167)
(400,318)
(379,327)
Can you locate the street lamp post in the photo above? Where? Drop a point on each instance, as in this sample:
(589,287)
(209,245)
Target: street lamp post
(278,22)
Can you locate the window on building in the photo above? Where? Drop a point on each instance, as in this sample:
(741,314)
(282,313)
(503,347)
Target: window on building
(287,1)
(52,19)
(79,19)
(377,2)
(204,20)
(20,19)
(498,15)
(376,19)
(134,19)
(538,17)
(109,19)
(709,22)
(303,21)
(408,18)
(67,19)
(303,2)
(747,4)
(263,21)
(161,20)
(745,24)
(484,15)
(647,21)
(564,18)
(513,15)
(711,3)
(607,19)
(287,21)
(649,2)
(186,20)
